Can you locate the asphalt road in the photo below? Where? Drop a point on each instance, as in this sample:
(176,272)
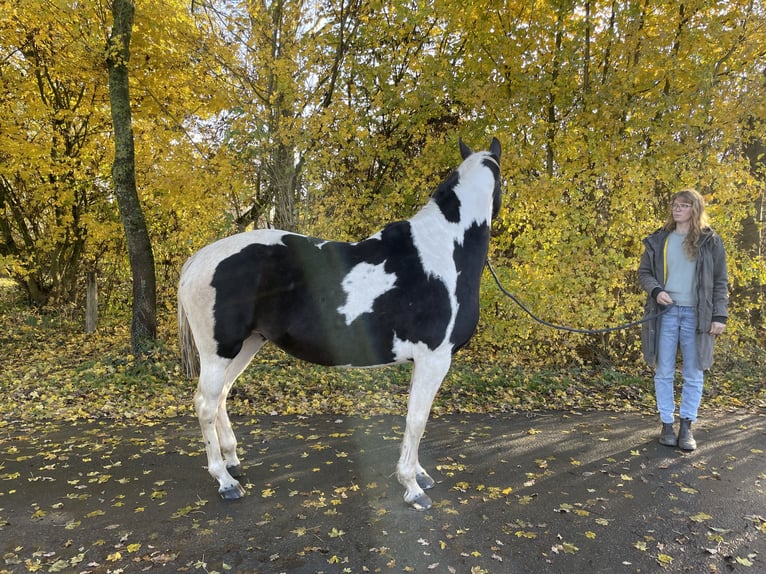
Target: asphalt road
(544,493)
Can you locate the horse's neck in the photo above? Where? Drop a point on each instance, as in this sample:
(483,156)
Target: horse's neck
(432,231)
(431,218)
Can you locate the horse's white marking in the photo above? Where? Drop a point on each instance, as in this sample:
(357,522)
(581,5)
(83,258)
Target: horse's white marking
(363,284)
(474,209)
(434,239)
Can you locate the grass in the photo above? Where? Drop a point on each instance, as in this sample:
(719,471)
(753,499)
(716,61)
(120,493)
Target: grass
(51,370)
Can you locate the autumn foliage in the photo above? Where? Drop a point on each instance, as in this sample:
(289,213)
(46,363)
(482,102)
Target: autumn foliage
(335,117)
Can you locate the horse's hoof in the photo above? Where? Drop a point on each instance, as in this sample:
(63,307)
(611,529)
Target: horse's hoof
(421,502)
(424,481)
(233,492)
(235,471)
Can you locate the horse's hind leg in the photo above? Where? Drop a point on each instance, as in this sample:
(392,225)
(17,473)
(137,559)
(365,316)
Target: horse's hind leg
(427,376)
(228,441)
(207,401)
(217,375)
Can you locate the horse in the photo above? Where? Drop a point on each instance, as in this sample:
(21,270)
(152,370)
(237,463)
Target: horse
(408,293)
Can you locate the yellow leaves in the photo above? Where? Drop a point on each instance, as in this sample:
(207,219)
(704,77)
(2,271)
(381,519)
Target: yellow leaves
(190,508)
(451,468)
(461,486)
(566,547)
(700,517)
(687,489)
(664,559)
(62,565)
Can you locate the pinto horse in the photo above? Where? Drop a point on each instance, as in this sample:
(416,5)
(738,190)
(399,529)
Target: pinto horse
(408,293)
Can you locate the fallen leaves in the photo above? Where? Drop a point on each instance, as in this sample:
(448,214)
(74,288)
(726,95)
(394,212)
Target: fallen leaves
(664,559)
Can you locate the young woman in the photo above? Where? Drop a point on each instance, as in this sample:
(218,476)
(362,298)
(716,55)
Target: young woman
(683,265)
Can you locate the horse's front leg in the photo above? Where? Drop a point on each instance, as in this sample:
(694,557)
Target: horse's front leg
(427,376)
(209,401)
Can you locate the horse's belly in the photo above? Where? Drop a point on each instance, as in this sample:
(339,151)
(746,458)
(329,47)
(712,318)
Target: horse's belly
(354,347)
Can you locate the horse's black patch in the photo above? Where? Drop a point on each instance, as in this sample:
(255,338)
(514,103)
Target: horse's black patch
(291,293)
(446,198)
(469,261)
(496,192)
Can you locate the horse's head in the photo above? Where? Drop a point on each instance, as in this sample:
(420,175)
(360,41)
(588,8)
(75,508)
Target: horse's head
(475,163)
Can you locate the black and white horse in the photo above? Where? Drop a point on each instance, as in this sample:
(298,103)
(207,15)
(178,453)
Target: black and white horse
(408,293)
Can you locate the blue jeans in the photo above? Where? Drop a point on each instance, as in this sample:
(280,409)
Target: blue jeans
(678,328)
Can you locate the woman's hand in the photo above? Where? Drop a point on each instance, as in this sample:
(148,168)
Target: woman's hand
(717,328)
(663,298)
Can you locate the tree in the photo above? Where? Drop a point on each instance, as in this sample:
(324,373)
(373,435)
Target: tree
(144,322)
(52,149)
(59,220)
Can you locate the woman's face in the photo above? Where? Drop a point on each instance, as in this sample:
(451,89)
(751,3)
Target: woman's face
(682,210)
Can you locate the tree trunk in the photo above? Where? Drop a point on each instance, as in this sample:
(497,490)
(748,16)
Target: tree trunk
(91,302)
(144,321)
(752,237)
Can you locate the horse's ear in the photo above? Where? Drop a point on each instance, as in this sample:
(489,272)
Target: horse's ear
(465,151)
(494,148)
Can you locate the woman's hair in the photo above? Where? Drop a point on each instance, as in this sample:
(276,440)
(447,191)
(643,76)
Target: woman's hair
(699,219)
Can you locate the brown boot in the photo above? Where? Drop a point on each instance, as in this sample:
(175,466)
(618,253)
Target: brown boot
(685,437)
(668,435)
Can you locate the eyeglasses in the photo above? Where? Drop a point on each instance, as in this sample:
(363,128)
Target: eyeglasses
(679,206)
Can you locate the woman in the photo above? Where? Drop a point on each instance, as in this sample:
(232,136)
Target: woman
(684,266)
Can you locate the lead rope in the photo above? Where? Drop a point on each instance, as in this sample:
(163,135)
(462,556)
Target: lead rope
(571,329)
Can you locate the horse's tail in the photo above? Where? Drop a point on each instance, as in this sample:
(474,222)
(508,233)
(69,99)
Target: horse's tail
(189,354)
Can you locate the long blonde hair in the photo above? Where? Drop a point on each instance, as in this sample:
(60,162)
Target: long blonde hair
(699,220)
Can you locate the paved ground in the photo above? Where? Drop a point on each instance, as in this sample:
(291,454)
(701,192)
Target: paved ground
(552,492)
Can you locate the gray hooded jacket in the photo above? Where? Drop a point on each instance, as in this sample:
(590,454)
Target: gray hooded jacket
(712,292)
